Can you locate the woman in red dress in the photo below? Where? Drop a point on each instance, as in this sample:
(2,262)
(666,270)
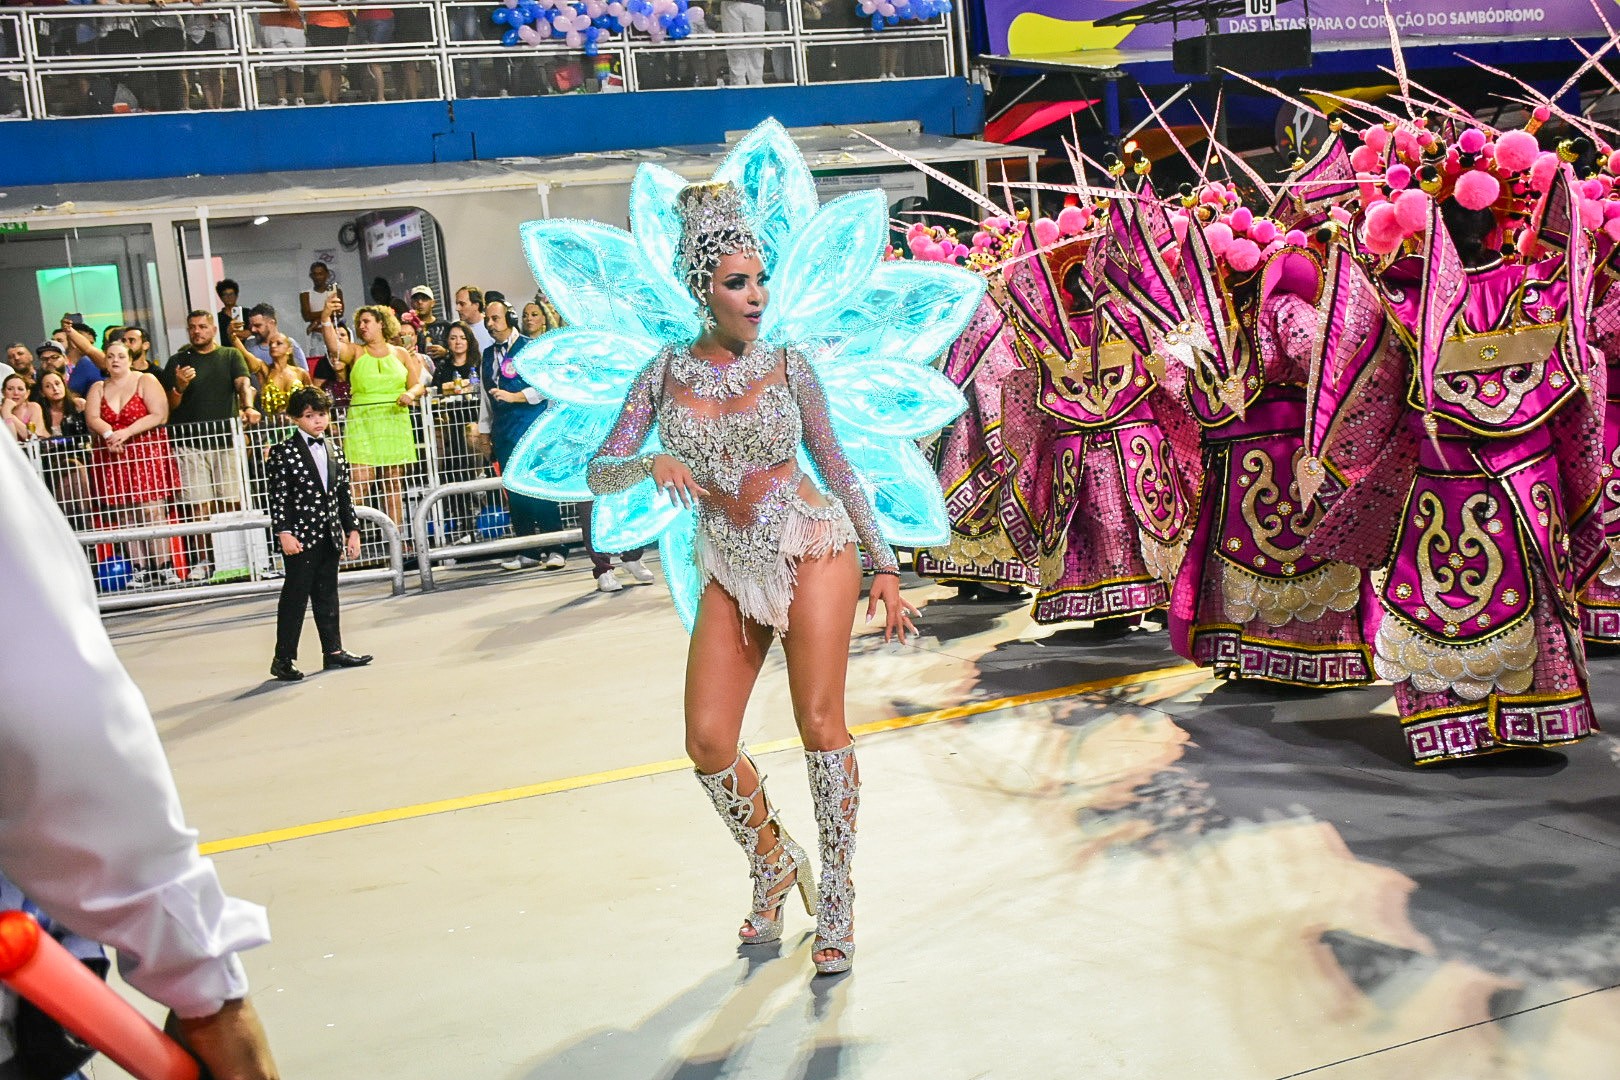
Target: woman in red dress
(131,467)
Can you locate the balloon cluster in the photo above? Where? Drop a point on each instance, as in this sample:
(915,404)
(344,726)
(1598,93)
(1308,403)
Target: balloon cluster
(581,24)
(886,13)
(1403,167)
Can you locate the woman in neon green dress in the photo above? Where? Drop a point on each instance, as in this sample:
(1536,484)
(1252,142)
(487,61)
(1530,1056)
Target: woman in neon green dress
(385,384)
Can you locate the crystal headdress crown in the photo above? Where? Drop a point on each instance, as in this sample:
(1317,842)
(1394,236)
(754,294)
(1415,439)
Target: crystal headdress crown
(714,223)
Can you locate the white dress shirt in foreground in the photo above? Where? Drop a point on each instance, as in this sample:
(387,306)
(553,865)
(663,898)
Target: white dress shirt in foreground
(91,827)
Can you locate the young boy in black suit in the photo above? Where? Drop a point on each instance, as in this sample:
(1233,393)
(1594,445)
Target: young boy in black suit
(313,519)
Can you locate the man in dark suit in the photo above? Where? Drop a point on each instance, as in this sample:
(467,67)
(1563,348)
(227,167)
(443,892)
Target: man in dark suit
(313,519)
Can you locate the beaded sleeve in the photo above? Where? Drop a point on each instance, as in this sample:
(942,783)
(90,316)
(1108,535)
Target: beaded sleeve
(822,445)
(618,464)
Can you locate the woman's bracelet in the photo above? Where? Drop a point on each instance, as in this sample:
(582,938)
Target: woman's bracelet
(875,573)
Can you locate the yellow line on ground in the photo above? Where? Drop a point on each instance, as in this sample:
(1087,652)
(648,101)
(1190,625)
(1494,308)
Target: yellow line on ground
(574,783)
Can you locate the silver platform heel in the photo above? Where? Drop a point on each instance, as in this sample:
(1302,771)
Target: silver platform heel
(835,788)
(777,871)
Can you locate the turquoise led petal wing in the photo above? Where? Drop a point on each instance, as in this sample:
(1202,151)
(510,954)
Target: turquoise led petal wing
(888,397)
(580,366)
(905,311)
(654,220)
(831,259)
(776,183)
(905,492)
(677,554)
(598,277)
(632,518)
(549,460)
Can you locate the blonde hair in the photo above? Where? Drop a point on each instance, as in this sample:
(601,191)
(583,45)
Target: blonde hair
(384,315)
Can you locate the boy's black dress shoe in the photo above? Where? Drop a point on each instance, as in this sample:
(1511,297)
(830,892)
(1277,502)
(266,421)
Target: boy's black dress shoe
(285,671)
(343,659)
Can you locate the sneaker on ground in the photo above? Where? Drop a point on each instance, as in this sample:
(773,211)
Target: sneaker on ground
(464,538)
(200,571)
(529,564)
(639,572)
(142,580)
(167,576)
(608,583)
(555,561)
(514,564)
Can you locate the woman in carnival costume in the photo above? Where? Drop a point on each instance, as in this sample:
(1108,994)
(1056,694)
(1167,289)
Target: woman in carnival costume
(1482,503)
(757,441)
(1237,303)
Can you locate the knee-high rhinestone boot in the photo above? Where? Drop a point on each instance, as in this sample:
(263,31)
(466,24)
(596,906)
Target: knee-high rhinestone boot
(774,872)
(835,788)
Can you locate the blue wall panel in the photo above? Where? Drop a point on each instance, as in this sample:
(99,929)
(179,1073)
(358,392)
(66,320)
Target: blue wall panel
(157,145)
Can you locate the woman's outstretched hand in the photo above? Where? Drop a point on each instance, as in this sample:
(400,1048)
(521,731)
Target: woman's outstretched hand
(897,611)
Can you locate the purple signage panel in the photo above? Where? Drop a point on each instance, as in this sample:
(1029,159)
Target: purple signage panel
(1033,27)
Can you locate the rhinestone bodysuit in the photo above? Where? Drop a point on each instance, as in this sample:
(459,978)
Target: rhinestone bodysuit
(738,428)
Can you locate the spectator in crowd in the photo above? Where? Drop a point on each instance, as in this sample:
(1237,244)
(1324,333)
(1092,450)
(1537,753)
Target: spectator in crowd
(208,386)
(328,28)
(230,311)
(313,518)
(538,317)
(52,357)
(282,375)
(747,65)
(283,31)
(457,377)
(507,406)
(208,33)
(382,294)
(335,381)
(63,455)
(19,360)
(433,329)
(110,335)
(21,416)
(410,339)
(93,830)
(139,347)
(86,363)
(385,384)
(470,307)
(262,325)
(312,305)
(375,27)
(131,467)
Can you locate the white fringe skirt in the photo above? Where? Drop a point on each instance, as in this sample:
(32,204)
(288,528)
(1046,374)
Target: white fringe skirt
(764,589)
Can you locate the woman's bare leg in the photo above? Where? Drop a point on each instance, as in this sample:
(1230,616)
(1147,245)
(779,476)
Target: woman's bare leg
(722,664)
(820,621)
(360,477)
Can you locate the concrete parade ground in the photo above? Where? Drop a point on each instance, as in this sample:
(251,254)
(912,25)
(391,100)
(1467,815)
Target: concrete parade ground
(1078,857)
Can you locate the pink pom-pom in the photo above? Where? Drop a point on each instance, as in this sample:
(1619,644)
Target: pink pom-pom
(1070,220)
(1046,231)
(1611,210)
(1241,219)
(1542,114)
(1178,227)
(1476,190)
(1172,258)
(1591,214)
(1516,151)
(961,251)
(1365,184)
(1244,255)
(1212,195)
(1471,141)
(1377,138)
(1528,242)
(1611,229)
(1425,139)
(1544,170)
(999,224)
(1614,163)
(1399,176)
(1263,231)
(1364,159)
(1340,214)
(1406,144)
(1219,236)
(1384,232)
(1591,189)
(1271,249)
(1295,238)
(924,248)
(915,230)
(1412,211)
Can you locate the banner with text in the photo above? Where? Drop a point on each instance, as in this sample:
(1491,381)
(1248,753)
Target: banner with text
(1035,27)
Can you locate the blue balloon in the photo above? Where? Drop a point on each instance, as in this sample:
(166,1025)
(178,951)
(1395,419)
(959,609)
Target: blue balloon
(501,16)
(591,49)
(114,574)
(592,33)
(511,37)
(877,22)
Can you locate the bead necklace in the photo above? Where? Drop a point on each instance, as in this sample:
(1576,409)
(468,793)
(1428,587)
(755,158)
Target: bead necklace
(729,380)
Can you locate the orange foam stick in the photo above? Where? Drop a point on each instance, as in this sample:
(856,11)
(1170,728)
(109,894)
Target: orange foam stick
(36,966)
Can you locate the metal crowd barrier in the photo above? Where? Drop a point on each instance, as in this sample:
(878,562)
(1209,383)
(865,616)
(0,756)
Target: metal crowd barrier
(97,59)
(146,511)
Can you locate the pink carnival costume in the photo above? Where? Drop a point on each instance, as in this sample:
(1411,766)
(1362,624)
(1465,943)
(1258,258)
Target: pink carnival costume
(1483,500)
(1600,601)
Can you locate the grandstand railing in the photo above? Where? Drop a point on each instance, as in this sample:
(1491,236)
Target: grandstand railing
(96,59)
(446,505)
